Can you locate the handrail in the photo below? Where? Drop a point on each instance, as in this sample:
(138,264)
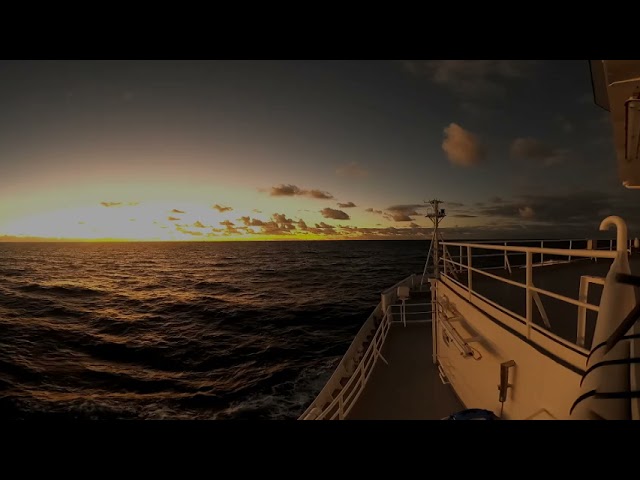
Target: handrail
(530,289)
(346,397)
(535,240)
(372,353)
(550,251)
(358,374)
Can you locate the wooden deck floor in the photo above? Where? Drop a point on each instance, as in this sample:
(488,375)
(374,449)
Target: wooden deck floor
(409,387)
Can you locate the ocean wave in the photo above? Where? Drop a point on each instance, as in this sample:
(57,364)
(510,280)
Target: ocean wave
(207,331)
(70,290)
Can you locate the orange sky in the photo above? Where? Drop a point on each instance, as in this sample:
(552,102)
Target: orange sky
(145,150)
(170,211)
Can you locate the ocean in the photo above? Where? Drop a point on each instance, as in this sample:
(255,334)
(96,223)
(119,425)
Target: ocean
(238,330)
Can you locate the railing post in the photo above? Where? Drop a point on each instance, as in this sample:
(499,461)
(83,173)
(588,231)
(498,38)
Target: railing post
(434,320)
(582,311)
(542,254)
(505,256)
(611,244)
(529,298)
(469,273)
(460,260)
(444,260)
(340,407)
(570,247)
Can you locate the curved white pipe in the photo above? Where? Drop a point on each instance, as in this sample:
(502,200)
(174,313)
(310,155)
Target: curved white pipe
(621,227)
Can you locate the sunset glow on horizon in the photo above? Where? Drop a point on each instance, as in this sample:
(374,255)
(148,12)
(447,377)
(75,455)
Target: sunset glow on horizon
(232,151)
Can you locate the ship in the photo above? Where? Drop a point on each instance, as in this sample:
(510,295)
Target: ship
(509,329)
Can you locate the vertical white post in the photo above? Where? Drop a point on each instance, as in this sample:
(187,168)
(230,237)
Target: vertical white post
(460,259)
(444,260)
(570,247)
(426,264)
(542,254)
(582,311)
(529,284)
(611,244)
(434,321)
(469,273)
(505,256)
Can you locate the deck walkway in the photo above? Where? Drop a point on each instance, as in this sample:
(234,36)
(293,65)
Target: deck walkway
(409,388)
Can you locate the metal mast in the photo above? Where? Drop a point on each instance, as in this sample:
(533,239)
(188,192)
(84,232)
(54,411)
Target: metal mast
(436,215)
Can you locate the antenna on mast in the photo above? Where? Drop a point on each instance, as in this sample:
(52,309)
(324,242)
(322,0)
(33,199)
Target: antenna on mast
(435,214)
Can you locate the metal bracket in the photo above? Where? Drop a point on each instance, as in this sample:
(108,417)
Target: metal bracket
(442,375)
(504,380)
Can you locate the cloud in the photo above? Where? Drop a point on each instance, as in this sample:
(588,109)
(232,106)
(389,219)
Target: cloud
(535,150)
(572,213)
(199,224)
(282,219)
(493,200)
(279,225)
(221,209)
(319,194)
(175,210)
(173,219)
(463,215)
(526,212)
(462,147)
(230,228)
(293,190)
(255,210)
(347,205)
(403,213)
(119,204)
(471,78)
(334,214)
(286,191)
(352,170)
(191,232)
(401,217)
(251,222)
(454,204)
(379,212)
(405,208)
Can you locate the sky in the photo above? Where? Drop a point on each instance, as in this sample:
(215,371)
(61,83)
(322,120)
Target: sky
(303,150)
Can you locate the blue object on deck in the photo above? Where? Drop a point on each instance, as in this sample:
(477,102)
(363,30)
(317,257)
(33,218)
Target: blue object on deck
(473,414)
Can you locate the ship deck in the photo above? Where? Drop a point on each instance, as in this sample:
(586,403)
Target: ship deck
(408,388)
(561,278)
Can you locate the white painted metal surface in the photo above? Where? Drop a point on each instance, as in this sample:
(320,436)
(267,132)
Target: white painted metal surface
(481,331)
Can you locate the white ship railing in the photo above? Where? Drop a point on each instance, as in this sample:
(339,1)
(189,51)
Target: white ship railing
(329,407)
(507,264)
(532,292)
(344,400)
(424,315)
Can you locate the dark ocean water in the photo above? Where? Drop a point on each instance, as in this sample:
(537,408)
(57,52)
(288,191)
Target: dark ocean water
(183,330)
